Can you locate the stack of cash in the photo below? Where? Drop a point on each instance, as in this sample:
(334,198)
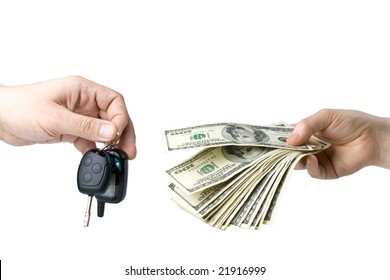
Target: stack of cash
(237,178)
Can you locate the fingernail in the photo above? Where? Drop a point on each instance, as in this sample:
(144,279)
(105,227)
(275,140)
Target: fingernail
(107,131)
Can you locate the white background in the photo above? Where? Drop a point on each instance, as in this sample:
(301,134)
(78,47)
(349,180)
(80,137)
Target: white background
(181,63)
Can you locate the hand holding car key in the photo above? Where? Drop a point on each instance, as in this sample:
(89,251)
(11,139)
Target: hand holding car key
(103,173)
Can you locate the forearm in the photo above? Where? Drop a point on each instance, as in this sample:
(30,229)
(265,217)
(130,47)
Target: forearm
(382,157)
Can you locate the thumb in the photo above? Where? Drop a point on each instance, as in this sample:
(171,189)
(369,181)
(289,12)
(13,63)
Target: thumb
(299,136)
(93,129)
(305,128)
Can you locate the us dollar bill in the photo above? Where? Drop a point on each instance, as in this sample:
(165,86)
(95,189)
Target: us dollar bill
(222,134)
(237,185)
(214,165)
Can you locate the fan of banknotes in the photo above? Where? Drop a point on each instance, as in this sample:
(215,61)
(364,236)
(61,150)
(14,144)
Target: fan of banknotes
(237,178)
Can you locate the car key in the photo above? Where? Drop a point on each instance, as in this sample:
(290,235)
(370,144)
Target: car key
(93,176)
(116,190)
(103,173)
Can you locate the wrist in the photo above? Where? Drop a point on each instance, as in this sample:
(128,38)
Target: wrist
(383,143)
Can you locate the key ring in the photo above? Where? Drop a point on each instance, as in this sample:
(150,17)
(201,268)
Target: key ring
(112,143)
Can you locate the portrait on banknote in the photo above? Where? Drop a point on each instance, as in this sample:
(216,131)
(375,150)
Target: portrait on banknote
(244,134)
(242,153)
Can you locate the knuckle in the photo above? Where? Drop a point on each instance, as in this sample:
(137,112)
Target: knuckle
(305,125)
(325,111)
(87,126)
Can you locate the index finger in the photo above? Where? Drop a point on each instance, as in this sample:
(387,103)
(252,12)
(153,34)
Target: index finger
(113,108)
(127,140)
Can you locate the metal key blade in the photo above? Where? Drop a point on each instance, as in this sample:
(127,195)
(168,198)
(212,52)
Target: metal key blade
(87,215)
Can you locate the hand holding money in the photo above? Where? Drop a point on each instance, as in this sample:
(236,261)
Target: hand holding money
(237,179)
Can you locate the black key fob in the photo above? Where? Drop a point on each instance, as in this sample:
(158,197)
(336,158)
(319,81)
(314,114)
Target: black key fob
(117,184)
(94,172)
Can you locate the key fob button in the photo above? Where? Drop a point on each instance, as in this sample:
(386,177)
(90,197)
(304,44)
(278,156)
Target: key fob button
(87,161)
(87,177)
(97,168)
